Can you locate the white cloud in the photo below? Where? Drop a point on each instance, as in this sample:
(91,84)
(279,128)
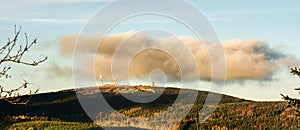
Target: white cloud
(9,6)
(45,20)
(245,59)
(80,20)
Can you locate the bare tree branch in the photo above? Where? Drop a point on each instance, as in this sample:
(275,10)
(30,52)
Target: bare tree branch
(13,53)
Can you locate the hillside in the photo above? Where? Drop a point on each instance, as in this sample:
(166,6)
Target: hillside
(63,106)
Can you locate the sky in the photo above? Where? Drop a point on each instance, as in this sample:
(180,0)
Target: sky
(241,25)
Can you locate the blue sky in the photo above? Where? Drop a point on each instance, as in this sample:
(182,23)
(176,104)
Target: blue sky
(274,22)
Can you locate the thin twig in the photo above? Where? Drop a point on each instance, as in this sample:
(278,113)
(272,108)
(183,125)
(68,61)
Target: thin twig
(10,54)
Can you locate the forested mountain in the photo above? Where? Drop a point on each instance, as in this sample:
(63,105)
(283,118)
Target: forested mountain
(63,108)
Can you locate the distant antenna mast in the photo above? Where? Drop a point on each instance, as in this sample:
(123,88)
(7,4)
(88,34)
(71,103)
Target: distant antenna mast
(101,79)
(115,82)
(152,84)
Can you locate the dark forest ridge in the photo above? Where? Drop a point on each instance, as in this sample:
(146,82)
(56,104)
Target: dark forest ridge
(232,112)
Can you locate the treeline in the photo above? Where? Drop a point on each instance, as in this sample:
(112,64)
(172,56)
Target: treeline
(53,125)
(247,115)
